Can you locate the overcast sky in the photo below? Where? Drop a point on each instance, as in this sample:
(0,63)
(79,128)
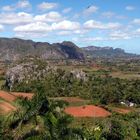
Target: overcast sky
(114,23)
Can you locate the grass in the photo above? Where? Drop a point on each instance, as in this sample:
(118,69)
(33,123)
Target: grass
(93,70)
(87,122)
(82,67)
(2,100)
(126,75)
(1,83)
(74,103)
(78,103)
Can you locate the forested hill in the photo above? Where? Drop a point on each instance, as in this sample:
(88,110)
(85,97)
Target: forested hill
(106,52)
(14,48)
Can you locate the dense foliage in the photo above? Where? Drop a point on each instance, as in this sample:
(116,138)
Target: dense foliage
(43,119)
(100,89)
(38,119)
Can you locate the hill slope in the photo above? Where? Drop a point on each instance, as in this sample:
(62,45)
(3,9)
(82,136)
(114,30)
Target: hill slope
(14,48)
(105,52)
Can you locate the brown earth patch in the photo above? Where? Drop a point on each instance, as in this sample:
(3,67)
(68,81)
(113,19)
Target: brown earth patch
(11,96)
(6,107)
(87,111)
(7,96)
(121,110)
(22,94)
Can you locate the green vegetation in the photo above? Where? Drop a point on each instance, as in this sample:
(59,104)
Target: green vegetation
(1,83)
(43,119)
(101,90)
(38,119)
(116,127)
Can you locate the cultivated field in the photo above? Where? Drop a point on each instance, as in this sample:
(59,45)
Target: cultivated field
(87,111)
(78,107)
(7,99)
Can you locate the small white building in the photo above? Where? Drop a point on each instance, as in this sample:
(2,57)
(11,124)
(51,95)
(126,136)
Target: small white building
(127,103)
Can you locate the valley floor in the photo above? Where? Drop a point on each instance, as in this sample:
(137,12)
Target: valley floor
(77,107)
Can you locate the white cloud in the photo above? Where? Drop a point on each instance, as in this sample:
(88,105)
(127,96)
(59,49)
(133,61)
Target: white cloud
(108,14)
(54,23)
(67,10)
(111,36)
(1,27)
(130,8)
(137,32)
(49,17)
(7,8)
(40,27)
(89,39)
(71,32)
(47,6)
(111,15)
(136,21)
(117,35)
(64,33)
(101,39)
(80,31)
(66,25)
(37,27)
(21,4)
(92,24)
(15,18)
(30,35)
(90,10)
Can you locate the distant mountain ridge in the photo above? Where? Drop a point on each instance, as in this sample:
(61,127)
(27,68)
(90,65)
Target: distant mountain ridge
(105,52)
(15,48)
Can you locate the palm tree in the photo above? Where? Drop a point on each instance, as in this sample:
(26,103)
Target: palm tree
(38,119)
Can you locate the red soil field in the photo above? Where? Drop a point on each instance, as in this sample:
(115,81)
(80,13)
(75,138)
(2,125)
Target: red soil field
(87,111)
(5,107)
(7,96)
(11,96)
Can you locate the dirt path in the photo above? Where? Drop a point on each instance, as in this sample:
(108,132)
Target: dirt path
(87,111)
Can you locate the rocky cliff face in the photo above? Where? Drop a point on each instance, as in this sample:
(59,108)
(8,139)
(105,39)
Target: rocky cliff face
(13,49)
(25,72)
(70,50)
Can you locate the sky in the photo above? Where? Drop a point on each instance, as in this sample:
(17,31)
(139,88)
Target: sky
(114,23)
